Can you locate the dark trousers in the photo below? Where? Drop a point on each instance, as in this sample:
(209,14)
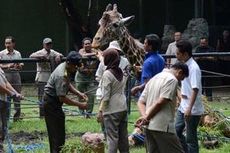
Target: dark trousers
(162,142)
(190,141)
(41,86)
(55,123)
(15,80)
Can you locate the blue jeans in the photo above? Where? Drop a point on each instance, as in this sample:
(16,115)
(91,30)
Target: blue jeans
(190,141)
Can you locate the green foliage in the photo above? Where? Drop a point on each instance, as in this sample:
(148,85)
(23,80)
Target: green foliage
(76,126)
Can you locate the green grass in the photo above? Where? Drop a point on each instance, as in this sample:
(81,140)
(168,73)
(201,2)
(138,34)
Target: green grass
(77,125)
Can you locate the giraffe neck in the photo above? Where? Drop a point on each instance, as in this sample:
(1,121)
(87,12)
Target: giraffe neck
(132,50)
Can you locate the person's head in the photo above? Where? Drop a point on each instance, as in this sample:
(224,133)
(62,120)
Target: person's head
(74,61)
(180,70)
(9,43)
(152,42)
(226,34)
(47,43)
(111,58)
(184,50)
(177,36)
(203,42)
(87,44)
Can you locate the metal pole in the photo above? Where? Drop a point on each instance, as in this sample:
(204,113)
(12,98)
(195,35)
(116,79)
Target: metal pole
(140,17)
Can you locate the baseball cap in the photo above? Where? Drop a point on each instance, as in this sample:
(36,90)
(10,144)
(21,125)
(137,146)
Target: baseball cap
(74,57)
(114,45)
(47,40)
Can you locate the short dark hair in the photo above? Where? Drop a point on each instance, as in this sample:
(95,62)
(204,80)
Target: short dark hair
(204,38)
(86,38)
(10,37)
(184,46)
(154,41)
(181,66)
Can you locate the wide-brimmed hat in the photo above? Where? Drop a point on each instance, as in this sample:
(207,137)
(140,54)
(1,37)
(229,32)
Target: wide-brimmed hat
(114,45)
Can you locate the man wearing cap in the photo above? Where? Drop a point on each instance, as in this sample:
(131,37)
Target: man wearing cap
(85,75)
(55,94)
(44,69)
(12,72)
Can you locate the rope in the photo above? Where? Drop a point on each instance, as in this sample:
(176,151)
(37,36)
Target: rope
(216,73)
(29,147)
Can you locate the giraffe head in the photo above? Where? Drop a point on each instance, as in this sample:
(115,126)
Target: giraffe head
(112,26)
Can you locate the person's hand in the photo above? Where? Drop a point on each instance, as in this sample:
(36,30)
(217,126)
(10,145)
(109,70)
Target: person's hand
(187,114)
(17,66)
(99,117)
(137,68)
(134,90)
(18,96)
(83,105)
(83,97)
(141,121)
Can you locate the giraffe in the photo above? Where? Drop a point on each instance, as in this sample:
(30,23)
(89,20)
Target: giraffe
(113,27)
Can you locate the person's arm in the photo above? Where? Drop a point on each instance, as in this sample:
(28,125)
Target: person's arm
(141,87)
(18,66)
(5,90)
(9,90)
(58,56)
(156,107)
(141,107)
(187,113)
(84,54)
(78,93)
(71,102)
(38,55)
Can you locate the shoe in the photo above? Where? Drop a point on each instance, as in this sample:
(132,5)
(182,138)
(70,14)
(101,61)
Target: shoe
(87,116)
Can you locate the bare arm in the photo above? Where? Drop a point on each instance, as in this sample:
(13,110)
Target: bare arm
(141,87)
(38,55)
(71,102)
(5,90)
(187,113)
(76,92)
(141,107)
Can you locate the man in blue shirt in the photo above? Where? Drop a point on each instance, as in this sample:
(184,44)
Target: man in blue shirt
(153,63)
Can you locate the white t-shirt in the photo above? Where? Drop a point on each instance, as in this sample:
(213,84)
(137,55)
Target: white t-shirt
(192,81)
(172,51)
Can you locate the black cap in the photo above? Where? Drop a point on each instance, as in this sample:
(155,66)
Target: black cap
(74,57)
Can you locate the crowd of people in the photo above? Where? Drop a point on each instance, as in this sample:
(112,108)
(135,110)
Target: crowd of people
(163,83)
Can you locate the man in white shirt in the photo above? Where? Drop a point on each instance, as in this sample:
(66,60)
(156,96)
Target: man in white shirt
(172,49)
(44,69)
(12,72)
(191,107)
(5,89)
